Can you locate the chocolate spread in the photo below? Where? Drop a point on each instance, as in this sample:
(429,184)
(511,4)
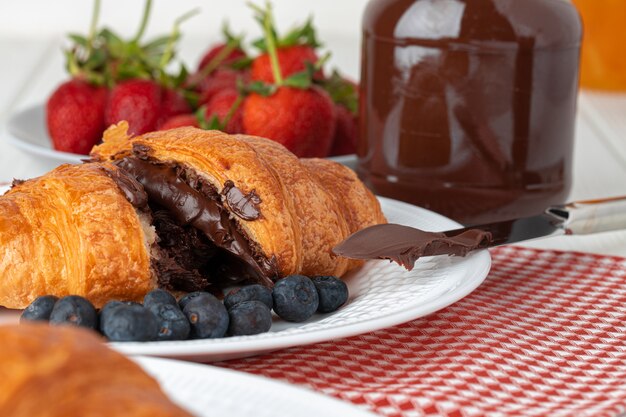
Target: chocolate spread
(245,206)
(167,188)
(132,190)
(468,106)
(404,245)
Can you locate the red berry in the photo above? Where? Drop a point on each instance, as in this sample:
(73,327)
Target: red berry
(302,120)
(212,53)
(172,103)
(220,105)
(221,79)
(346,132)
(291,59)
(75,116)
(180,120)
(136,101)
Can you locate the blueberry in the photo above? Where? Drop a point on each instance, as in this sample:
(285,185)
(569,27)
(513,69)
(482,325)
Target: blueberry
(249,317)
(40,309)
(129,323)
(332,291)
(207,316)
(188,297)
(172,323)
(74,310)
(248,293)
(159,296)
(108,307)
(295,298)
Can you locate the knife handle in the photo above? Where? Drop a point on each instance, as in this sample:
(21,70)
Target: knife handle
(592,216)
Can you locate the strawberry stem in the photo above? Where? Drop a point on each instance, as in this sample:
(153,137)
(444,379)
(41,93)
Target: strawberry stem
(268,25)
(95,14)
(217,60)
(144,21)
(231,111)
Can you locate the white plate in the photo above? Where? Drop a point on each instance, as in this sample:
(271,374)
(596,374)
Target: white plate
(27,131)
(382,294)
(208,391)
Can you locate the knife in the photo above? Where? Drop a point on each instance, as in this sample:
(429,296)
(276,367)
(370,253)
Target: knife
(404,244)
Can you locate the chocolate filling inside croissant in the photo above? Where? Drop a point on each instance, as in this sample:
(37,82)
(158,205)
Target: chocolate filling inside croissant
(200,246)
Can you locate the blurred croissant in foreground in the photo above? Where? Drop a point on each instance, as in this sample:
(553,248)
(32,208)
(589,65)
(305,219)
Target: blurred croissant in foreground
(48,371)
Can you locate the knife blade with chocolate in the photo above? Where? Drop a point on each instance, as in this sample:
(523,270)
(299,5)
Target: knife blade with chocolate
(404,244)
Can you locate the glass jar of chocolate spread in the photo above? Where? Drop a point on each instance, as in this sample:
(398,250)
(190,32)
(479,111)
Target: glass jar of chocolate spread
(468,106)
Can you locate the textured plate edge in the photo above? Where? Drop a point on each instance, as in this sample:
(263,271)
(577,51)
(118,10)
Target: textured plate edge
(154,365)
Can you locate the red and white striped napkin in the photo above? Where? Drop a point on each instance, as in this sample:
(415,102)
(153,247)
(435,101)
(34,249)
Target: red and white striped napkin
(545,335)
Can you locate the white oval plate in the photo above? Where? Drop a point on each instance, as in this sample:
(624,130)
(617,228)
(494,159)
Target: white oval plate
(27,131)
(208,391)
(382,294)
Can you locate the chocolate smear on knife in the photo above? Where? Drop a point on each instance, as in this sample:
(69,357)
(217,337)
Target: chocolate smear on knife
(404,244)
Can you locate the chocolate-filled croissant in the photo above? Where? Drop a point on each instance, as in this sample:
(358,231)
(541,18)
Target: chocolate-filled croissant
(280,215)
(62,371)
(184,209)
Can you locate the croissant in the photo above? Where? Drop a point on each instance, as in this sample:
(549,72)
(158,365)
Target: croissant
(292,211)
(73,231)
(48,371)
(184,209)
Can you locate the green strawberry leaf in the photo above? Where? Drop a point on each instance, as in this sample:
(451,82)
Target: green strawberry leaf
(241,63)
(192,97)
(158,45)
(78,39)
(341,91)
(214,123)
(302,35)
(261,88)
(182,76)
(300,80)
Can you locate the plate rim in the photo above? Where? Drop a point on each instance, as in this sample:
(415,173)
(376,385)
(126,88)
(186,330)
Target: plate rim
(151,363)
(201,350)
(13,137)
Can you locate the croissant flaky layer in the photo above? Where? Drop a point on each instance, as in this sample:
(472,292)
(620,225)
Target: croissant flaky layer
(48,371)
(307,206)
(72,231)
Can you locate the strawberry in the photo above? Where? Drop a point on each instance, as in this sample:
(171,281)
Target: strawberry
(221,79)
(136,101)
(172,103)
(223,53)
(292,59)
(180,120)
(225,106)
(303,120)
(292,111)
(75,116)
(345,95)
(346,132)
(293,51)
